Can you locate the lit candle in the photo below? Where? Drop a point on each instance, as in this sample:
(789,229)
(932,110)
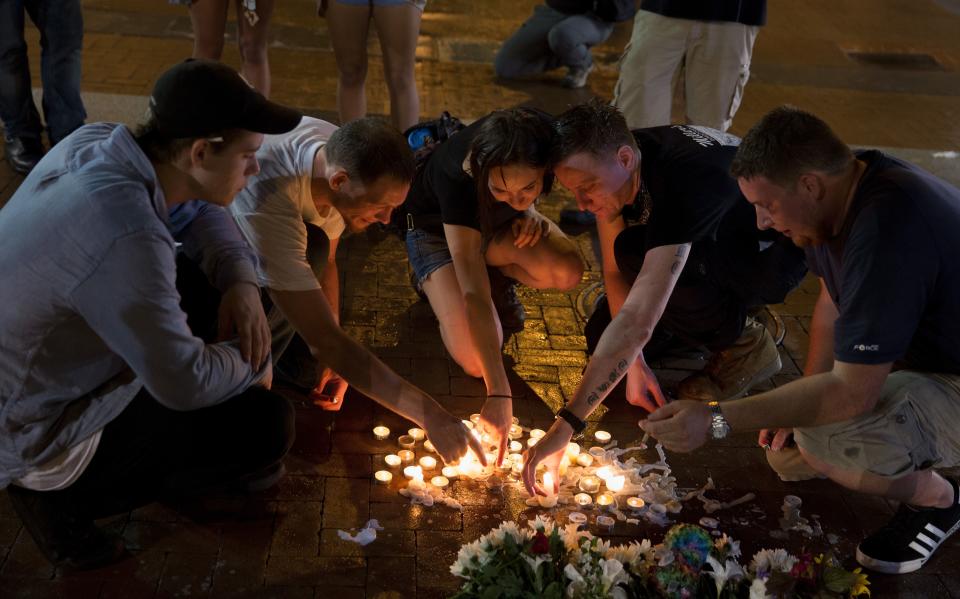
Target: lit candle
(517,467)
(417,434)
(450,471)
(413,472)
(550,500)
(392,460)
(582,499)
(486,439)
(537,433)
(516,446)
(515,420)
(475,419)
(515,457)
(604,472)
(604,499)
(635,502)
(467,424)
(602,436)
(383,477)
(428,462)
(439,481)
(429,446)
(573,450)
(406,456)
(491,460)
(381,433)
(532,441)
(589,484)
(406,441)
(606,522)
(515,431)
(615,483)
(584,459)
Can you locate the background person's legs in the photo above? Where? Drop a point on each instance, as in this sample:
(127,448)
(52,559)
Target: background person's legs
(571,40)
(209,20)
(527,52)
(21,121)
(717,69)
(253,39)
(61,38)
(398,27)
(348,26)
(644,91)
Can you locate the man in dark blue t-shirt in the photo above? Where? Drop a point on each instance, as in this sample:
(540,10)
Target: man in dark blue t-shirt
(879,406)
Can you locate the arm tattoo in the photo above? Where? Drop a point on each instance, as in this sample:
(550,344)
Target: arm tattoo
(675,268)
(615,374)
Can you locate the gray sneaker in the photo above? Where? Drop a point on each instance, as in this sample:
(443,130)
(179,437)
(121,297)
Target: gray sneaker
(577,76)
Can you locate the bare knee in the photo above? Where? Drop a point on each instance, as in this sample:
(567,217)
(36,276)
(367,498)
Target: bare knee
(352,74)
(253,50)
(400,81)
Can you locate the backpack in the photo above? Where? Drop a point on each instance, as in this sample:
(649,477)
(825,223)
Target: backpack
(423,138)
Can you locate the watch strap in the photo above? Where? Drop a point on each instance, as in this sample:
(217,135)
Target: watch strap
(577,424)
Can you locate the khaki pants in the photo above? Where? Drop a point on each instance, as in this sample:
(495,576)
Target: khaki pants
(712,58)
(914,426)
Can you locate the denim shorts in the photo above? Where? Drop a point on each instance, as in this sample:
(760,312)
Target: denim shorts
(421,4)
(427,253)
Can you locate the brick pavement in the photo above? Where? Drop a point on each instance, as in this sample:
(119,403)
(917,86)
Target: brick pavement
(283,543)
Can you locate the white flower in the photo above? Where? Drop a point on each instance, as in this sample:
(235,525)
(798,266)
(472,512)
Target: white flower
(612,574)
(535,562)
(721,573)
(771,560)
(542,523)
(633,553)
(572,536)
(507,528)
(732,547)
(758,589)
(470,556)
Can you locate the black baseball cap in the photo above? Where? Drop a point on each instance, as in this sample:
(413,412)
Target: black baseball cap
(197,98)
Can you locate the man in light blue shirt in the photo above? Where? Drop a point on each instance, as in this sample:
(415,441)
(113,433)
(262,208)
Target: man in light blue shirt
(107,398)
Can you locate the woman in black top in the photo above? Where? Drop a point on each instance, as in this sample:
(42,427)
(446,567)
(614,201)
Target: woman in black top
(471,223)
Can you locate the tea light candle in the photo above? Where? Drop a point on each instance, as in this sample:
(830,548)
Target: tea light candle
(577,518)
(532,441)
(537,433)
(615,483)
(383,477)
(584,459)
(589,484)
(635,502)
(604,499)
(515,431)
(516,446)
(573,450)
(582,499)
(658,508)
(450,471)
(491,460)
(475,419)
(550,500)
(598,453)
(516,467)
(606,522)
(406,441)
(381,433)
(467,424)
(417,434)
(428,462)
(602,436)
(413,472)
(439,482)
(406,456)
(392,460)
(515,420)
(604,472)
(429,446)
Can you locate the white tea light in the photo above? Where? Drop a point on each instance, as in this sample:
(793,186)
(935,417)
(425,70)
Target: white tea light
(450,471)
(392,460)
(381,433)
(582,499)
(406,456)
(598,453)
(550,500)
(439,482)
(537,433)
(406,441)
(602,436)
(532,441)
(606,522)
(428,462)
(604,472)
(516,446)
(604,499)
(417,434)
(413,472)
(383,477)
(577,518)
(589,484)
(584,459)
(467,424)
(635,502)
(475,419)
(615,483)
(429,446)
(573,450)
(515,431)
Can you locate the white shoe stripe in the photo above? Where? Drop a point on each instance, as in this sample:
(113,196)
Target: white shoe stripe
(930,543)
(920,549)
(931,528)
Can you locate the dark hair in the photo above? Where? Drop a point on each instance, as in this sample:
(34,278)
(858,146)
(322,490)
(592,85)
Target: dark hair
(786,143)
(512,136)
(593,127)
(162,148)
(370,148)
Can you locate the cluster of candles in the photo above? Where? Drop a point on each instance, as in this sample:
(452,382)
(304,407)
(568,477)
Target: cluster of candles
(599,488)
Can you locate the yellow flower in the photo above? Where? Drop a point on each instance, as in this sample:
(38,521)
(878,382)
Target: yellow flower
(860,584)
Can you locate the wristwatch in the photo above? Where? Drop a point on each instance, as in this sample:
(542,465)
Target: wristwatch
(577,424)
(719,427)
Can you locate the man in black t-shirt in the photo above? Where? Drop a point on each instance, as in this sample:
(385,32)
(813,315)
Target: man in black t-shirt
(670,187)
(879,406)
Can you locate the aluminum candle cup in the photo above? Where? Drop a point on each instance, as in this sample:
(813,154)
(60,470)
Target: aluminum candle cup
(428,462)
(516,446)
(383,477)
(413,472)
(406,456)
(577,518)
(537,433)
(450,472)
(429,446)
(392,460)
(406,441)
(602,437)
(417,434)
(515,431)
(582,499)
(381,433)
(584,459)
(439,482)
(475,419)
(635,502)
(532,441)
(604,499)
(589,484)
(606,522)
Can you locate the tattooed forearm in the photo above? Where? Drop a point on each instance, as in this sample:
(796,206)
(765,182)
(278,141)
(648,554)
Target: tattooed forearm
(675,267)
(614,375)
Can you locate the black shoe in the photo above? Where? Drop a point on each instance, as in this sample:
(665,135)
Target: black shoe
(503,289)
(23,153)
(66,540)
(906,542)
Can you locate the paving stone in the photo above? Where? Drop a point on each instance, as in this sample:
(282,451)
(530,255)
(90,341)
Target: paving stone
(186,575)
(173,536)
(397,515)
(312,571)
(347,503)
(297,527)
(436,552)
(49,589)
(389,543)
(561,321)
(391,577)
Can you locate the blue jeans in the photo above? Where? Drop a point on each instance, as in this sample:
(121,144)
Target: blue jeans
(550,39)
(61,35)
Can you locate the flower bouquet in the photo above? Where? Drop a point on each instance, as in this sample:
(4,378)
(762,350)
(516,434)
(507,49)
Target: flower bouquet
(543,560)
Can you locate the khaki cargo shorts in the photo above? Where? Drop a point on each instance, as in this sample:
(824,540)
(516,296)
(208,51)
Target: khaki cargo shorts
(914,426)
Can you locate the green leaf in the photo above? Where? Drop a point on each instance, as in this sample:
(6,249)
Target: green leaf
(838,580)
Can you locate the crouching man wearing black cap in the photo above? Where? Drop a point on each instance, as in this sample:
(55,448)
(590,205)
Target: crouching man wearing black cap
(107,399)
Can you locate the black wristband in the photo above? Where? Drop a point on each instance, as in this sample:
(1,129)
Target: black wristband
(577,424)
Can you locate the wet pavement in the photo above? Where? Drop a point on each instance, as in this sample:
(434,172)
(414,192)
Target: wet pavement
(283,543)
